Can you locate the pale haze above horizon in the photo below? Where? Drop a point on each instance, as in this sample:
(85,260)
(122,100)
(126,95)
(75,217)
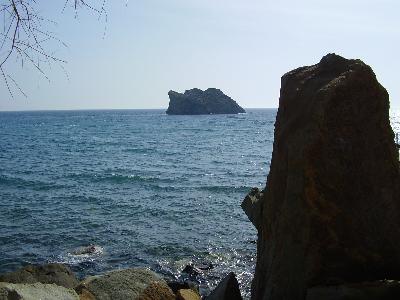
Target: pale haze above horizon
(147,47)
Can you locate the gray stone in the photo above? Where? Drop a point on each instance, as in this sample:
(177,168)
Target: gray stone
(35,291)
(136,283)
(227,289)
(198,102)
(51,273)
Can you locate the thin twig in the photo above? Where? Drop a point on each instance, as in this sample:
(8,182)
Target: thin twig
(25,36)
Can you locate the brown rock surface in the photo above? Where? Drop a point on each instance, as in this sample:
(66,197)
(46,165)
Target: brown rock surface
(187,294)
(86,295)
(331,211)
(51,273)
(135,283)
(157,290)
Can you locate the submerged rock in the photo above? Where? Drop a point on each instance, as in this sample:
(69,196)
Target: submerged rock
(331,211)
(23,291)
(198,102)
(136,283)
(51,273)
(88,250)
(192,270)
(227,289)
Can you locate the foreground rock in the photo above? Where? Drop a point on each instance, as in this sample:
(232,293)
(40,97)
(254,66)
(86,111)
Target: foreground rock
(51,273)
(136,283)
(198,102)
(331,211)
(382,290)
(227,289)
(35,291)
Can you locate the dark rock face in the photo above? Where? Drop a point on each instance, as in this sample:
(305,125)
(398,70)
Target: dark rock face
(227,289)
(331,211)
(198,102)
(380,290)
(51,273)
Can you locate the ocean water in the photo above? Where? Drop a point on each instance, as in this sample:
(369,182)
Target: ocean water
(146,188)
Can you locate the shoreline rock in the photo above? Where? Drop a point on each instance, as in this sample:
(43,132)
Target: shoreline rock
(330,214)
(33,291)
(198,102)
(59,280)
(134,283)
(58,274)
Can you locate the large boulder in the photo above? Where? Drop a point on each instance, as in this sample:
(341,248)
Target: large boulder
(136,283)
(51,273)
(198,102)
(35,291)
(331,211)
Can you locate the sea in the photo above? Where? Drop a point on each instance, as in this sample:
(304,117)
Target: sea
(142,188)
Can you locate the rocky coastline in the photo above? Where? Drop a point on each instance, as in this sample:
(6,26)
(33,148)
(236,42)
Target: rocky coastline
(328,220)
(57,281)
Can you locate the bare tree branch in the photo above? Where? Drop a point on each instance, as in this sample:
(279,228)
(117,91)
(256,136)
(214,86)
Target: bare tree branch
(26,35)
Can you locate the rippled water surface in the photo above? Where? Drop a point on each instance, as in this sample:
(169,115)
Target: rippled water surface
(150,189)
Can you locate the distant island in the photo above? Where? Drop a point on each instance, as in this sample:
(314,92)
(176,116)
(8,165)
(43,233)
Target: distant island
(198,102)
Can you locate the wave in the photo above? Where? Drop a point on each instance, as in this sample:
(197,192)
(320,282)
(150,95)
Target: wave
(225,188)
(138,150)
(120,178)
(21,183)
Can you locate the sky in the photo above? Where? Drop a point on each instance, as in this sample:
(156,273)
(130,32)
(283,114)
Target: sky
(147,47)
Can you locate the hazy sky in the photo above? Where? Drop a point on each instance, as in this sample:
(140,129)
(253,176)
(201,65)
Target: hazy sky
(242,47)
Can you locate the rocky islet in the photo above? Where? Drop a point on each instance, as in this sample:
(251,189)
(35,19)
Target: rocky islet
(198,102)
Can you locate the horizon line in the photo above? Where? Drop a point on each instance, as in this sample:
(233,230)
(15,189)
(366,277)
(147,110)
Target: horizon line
(104,109)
